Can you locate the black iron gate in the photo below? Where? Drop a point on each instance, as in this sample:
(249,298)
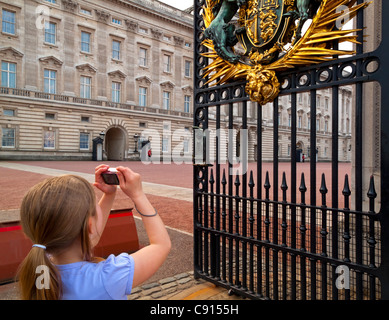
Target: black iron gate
(291,230)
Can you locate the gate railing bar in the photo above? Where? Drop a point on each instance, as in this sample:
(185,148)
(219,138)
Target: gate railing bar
(358,152)
(267,232)
(244,156)
(230,191)
(212,226)
(307,255)
(372,241)
(205,188)
(323,233)
(297,205)
(382,76)
(293,177)
(275,196)
(312,163)
(284,227)
(217,240)
(334,174)
(259,196)
(224,226)
(359,74)
(251,221)
(346,235)
(236,233)
(303,230)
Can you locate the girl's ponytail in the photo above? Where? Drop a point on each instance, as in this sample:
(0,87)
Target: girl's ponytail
(39,279)
(53,214)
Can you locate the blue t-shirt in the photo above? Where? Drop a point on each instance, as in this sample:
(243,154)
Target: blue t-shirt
(110,279)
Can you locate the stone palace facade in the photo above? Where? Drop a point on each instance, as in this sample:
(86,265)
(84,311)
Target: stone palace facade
(74,70)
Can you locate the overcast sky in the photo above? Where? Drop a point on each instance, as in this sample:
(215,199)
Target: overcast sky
(180,4)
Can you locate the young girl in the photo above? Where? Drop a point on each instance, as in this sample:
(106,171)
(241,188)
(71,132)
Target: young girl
(61,217)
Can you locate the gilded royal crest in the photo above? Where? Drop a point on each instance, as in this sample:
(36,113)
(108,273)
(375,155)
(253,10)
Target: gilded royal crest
(263,23)
(272,37)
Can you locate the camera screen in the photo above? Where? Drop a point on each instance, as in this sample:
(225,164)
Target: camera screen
(110,178)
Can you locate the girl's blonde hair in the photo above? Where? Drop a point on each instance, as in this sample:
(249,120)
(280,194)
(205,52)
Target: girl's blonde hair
(54,213)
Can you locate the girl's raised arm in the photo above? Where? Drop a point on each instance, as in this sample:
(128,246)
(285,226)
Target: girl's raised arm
(150,258)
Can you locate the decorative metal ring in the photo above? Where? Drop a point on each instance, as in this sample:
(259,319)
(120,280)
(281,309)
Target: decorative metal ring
(200,98)
(237,92)
(320,78)
(342,70)
(371,65)
(200,186)
(201,61)
(303,83)
(212,96)
(225,94)
(200,36)
(200,84)
(286,83)
(199,175)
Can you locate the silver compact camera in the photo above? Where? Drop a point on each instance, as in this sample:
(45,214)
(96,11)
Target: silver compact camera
(110,176)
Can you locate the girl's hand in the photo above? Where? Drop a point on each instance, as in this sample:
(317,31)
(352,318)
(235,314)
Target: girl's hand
(130,183)
(99,182)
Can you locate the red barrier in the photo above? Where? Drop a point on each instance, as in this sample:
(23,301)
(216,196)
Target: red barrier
(120,235)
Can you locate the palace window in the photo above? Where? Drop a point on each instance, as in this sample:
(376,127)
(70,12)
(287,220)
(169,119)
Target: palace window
(187,101)
(116,87)
(49,140)
(8,137)
(167,63)
(143,57)
(8,74)
(50,81)
(166,100)
(86,11)
(165,144)
(116,50)
(8,21)
(142,96)
(49,116)
(85,41)
(188,68)
(116,21)
(84,141)
(142,30)
(9,112)
(50,32)
(85,87)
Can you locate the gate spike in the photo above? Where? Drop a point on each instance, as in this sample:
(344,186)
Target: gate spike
(346,189)
(267,182)
(302,187)
(284,185)
(251,181)
(237,181)
(224,180)
(323,187)
(211,179)
(372,194)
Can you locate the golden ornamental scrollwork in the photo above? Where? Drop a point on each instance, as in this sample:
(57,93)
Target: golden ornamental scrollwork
(270,32)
